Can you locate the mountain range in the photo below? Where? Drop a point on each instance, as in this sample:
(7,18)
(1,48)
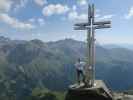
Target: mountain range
(25,65)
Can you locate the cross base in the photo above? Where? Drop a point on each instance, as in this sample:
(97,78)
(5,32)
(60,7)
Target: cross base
(98,92)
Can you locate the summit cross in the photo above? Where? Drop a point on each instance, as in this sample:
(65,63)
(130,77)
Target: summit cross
(91,26)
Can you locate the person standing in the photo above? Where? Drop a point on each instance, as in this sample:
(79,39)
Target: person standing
(80,65)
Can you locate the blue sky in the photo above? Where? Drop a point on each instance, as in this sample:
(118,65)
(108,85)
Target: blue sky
(51,20)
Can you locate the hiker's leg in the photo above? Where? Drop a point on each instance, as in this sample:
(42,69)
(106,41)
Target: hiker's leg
(78,76)
(83,76)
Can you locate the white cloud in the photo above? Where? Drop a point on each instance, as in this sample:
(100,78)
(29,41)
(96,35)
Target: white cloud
(40,2)
(105,17)
(97,15)
(74,8)
(41,21)
(32,20)
(14,22)
(82,2)
(130,13)
(55,9)
(19,4)
(75,16)
(5,5)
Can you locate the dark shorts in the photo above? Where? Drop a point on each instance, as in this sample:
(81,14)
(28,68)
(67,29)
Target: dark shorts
(79,72)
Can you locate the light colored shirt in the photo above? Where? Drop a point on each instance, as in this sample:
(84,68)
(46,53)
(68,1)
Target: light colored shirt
(80,65)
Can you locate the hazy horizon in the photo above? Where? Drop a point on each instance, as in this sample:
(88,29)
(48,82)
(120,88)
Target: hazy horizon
(126,45)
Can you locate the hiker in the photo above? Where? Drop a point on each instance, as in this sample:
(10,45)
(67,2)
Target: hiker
(80,70)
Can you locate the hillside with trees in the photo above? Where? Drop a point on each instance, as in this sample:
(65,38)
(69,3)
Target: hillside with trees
(34,69)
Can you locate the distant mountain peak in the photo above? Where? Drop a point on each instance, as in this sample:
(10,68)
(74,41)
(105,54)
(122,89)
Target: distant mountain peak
(37,41)
(2,38)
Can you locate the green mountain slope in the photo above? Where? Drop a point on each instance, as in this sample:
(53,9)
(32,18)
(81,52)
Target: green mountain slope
(25,65)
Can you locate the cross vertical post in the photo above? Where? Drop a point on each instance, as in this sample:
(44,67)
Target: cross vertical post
(91,26)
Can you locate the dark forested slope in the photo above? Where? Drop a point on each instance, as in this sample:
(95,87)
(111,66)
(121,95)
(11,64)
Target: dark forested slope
(25,65)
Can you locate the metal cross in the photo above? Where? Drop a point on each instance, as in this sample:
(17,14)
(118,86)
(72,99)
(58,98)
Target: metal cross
(91,26)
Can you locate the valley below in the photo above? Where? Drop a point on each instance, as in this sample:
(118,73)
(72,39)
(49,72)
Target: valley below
(32,68)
